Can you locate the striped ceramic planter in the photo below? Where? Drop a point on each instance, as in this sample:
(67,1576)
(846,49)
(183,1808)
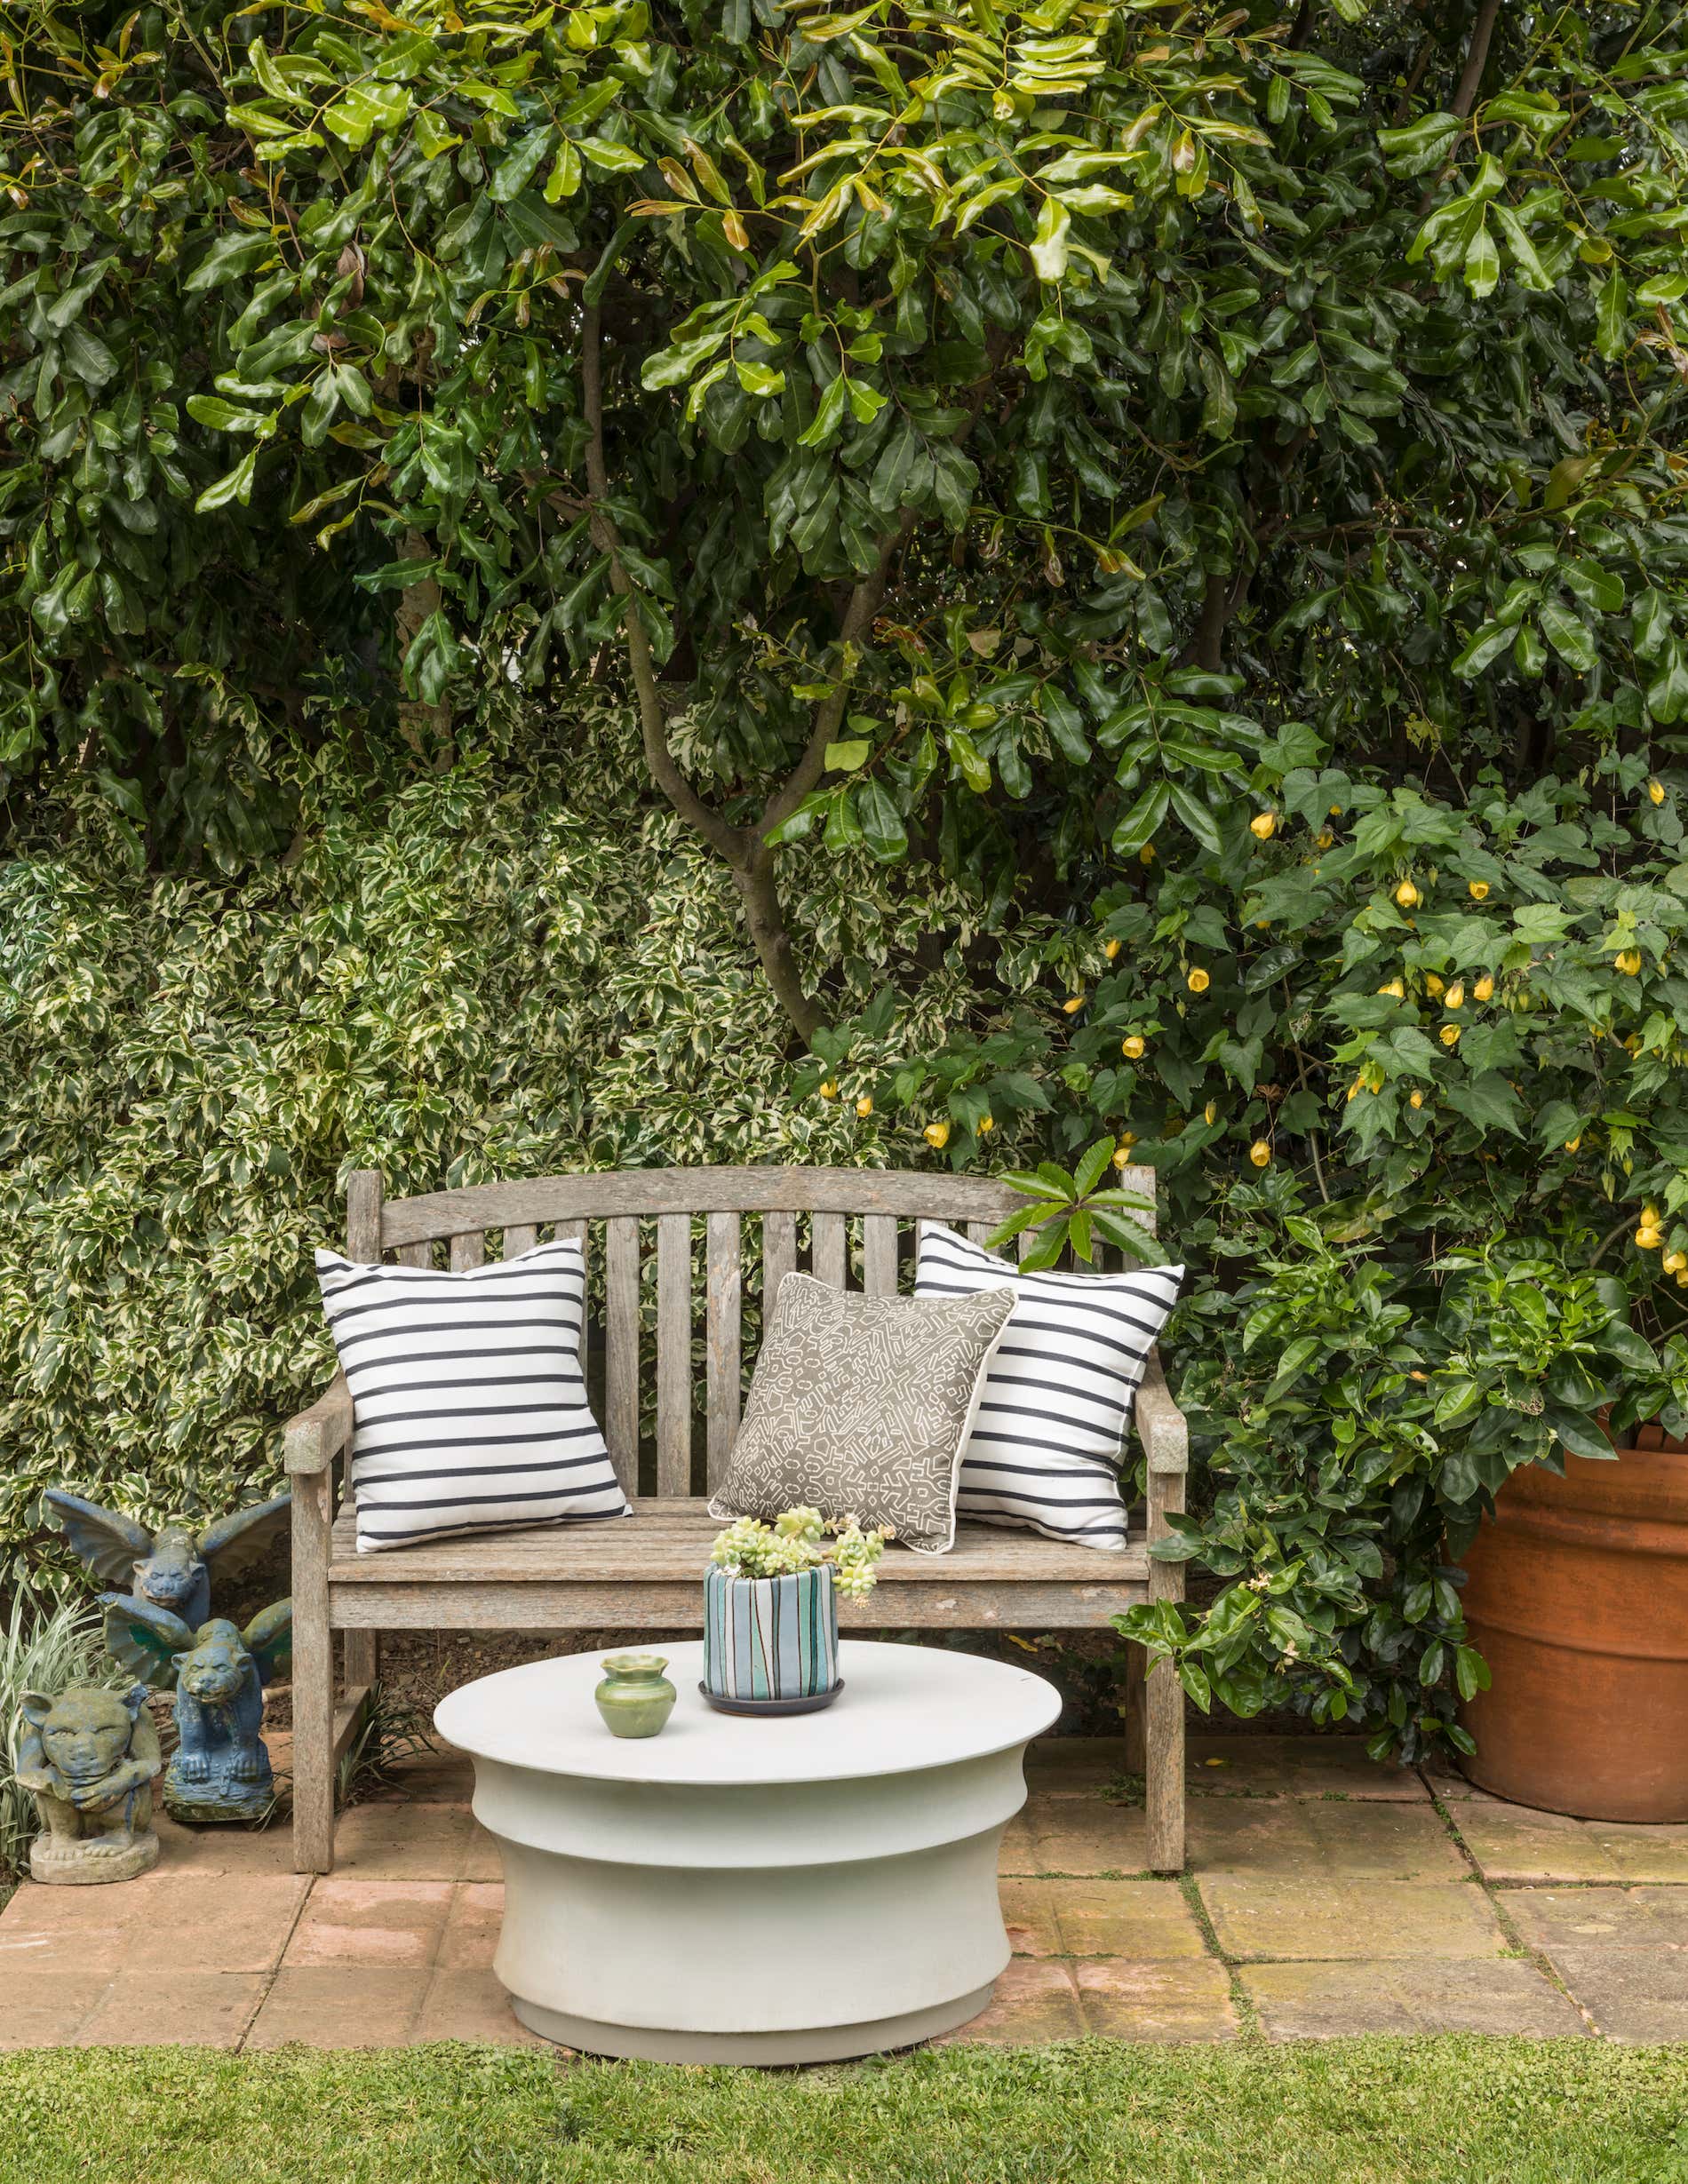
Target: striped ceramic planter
(770,1642)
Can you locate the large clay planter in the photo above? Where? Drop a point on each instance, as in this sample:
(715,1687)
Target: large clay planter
(1578,1599)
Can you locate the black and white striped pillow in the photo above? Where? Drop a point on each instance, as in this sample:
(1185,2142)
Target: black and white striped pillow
(1044,1452)
(470,1408)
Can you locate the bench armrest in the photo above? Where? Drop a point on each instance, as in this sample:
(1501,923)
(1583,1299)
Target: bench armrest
(315,1437)
(1161,1423)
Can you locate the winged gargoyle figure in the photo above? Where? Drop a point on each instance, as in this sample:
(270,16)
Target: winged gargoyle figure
(221,1769)
(172,1568)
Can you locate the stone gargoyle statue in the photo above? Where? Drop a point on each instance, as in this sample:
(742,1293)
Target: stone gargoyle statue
(171,1567)
(220,1769)
(90,1757)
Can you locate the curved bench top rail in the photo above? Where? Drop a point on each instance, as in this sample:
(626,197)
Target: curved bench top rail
(912,1194)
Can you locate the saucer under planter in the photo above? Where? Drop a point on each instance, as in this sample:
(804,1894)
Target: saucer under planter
(771,1706)
(1577,1598)
(770,1643)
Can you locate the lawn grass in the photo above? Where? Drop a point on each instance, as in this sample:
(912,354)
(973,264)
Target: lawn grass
(1447,2111)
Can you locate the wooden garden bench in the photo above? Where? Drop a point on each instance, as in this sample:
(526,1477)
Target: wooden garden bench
(647,1573)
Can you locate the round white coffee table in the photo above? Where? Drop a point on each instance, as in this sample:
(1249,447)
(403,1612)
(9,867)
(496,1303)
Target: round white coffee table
(760,1890)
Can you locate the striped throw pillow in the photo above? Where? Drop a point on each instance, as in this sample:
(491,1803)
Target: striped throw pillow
(470,1409)
(1044,1452)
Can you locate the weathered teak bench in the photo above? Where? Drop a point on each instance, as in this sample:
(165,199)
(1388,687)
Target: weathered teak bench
(648,1573)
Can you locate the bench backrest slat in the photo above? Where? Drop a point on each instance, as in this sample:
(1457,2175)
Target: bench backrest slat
(831,1240)
(704,1190)
(879,1254)
(724,1362)
(674,1354)
(852,1233)
(621,1346)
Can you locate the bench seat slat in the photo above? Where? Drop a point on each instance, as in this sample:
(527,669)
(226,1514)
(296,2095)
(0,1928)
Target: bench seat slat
(666,1541)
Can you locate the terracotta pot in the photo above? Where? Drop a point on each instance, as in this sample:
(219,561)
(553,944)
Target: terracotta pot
(1577,1597)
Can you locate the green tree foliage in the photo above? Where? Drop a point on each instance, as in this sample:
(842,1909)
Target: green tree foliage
(1011,432)
(1194,493)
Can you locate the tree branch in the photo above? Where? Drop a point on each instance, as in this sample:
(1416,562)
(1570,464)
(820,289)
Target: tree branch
(726,839)
(865,598)
(1222,595)
(746,849)
(1477,59)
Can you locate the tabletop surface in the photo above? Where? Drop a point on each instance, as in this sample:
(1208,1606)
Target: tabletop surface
(903,1709)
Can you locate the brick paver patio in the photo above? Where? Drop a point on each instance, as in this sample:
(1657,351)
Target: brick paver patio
(1324,1896)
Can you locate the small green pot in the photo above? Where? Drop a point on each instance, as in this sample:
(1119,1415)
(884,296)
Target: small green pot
(635,1698)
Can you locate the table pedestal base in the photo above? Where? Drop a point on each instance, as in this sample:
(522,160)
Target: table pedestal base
(828,2044)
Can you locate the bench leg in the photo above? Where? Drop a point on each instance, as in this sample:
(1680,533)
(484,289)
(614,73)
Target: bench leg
(313,1678)
(1132,1720)
(362,1658)
(1165,1774)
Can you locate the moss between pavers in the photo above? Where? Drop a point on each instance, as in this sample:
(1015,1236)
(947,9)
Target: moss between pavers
(1349,2112)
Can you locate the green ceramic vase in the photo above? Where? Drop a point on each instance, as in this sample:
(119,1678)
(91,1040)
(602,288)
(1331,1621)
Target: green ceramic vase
(635,1698)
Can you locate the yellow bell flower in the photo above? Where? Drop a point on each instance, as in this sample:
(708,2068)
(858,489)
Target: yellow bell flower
(1650,1217)
(1395,988)
(1198,981)
(1450,1037)
(1672,1262)
(1209,1112)
(1485,988)
(1649,1239)
(1656,791)
(1072,1004)
(1133,1045)
(936,1135)
(1146,855)
(1433,985)
(1323,838)
(1454,998)
(1571,1144)
(1479,890)
(1406,894)
(1628,962)
(987,1122)
(864,1106)
(1122,1157)
(829,1090)
(1260,1152)
(1110,946)
(1415,1100)
(1336,811)
(1264,826)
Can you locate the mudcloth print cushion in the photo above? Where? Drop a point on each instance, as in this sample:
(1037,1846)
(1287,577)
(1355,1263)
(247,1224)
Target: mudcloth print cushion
(859,1407)
(470,1410)
(1044,1451)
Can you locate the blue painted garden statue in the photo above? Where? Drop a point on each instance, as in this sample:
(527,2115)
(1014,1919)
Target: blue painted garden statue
(220,1770)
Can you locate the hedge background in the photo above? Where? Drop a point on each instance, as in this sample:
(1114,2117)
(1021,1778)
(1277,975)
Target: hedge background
(518,965)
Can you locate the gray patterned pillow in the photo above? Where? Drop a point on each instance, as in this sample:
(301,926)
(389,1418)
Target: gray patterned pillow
(861,1406)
